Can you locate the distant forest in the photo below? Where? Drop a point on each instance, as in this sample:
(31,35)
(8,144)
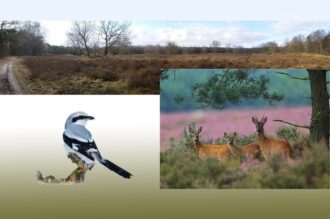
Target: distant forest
(296,92)
(112,37)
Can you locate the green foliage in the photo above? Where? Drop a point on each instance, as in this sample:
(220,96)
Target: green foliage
(180,167)
(296,92)
(288,132)
(295,138)
(187,142)
(232,86)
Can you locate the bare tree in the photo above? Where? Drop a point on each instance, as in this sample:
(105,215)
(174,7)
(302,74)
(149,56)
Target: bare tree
(113,33)
(296,44)
(171,48)
(215,43)
(74,41)
(270,46)
(95,42)
(81,34)
(314,41)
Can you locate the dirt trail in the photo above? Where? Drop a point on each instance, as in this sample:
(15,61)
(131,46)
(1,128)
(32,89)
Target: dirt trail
(8,81)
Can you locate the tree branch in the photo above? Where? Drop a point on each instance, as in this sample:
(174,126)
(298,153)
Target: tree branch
(294,77)
(289,123)
(77,176)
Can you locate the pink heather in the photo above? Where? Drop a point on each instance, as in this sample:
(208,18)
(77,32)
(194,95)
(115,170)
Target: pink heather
(215,123)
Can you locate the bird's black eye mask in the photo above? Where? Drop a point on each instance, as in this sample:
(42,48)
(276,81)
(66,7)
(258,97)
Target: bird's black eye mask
(75,119)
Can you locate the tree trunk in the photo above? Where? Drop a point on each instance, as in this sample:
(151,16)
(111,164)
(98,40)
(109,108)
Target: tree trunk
(319,128)
(87,48)
(106,50)
(88,52)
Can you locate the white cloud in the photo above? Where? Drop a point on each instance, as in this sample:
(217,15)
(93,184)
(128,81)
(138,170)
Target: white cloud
(56,31)
(299,27)
(200,33)
(197,35)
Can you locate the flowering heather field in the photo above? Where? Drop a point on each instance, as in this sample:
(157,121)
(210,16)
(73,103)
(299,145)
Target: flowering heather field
(215,123)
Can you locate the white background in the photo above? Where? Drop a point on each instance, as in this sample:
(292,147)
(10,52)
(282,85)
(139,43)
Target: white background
(126,130)
(165,9)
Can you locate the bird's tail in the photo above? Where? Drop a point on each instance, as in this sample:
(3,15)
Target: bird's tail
(120,171)
(111,166)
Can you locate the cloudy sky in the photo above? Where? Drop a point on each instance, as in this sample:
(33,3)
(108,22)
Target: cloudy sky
(201,33)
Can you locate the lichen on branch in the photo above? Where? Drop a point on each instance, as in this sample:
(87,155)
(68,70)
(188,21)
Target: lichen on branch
(77,176)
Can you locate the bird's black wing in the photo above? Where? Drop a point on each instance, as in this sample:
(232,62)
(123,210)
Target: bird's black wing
(84,148)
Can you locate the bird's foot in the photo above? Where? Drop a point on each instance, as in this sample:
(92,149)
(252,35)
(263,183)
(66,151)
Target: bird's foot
(39,176)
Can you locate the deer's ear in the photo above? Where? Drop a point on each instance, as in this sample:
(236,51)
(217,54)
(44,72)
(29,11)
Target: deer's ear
(200,129)
(264,120)
(254,120)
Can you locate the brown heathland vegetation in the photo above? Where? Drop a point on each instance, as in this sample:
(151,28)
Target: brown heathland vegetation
(138,74)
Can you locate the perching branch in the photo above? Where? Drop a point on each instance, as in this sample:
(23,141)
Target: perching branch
(77,176)
(289,123)
(294,77)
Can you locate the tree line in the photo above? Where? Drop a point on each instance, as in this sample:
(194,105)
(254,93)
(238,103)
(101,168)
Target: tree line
(316,42)
(21,38)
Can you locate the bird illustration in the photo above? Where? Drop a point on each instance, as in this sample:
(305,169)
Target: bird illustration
(79,141)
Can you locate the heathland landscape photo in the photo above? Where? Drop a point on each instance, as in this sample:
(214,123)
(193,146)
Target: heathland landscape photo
(127,57)
(244,128)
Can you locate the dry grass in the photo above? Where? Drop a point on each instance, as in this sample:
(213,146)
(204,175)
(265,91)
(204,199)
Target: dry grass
(139,74)
(2,61)
(81,75)
(269,60)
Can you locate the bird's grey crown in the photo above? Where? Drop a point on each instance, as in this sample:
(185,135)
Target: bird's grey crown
(73,115)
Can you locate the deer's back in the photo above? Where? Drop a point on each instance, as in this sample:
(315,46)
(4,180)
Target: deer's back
(214,150)
(273,145)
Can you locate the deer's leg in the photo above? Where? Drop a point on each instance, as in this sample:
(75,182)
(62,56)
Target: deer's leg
(265,154)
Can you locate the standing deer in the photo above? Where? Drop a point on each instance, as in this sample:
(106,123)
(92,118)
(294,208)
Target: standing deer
(206,150)
(271,146)
(249,151)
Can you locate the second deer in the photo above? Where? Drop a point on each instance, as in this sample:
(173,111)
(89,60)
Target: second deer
(250,151)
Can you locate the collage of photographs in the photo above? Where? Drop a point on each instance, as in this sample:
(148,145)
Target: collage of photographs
(231,105)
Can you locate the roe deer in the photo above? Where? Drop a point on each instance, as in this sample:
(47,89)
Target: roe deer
(271,146)
(251,150)
(207,150)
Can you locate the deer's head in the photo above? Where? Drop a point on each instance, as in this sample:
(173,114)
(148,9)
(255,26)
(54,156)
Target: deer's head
(195,134)
(230,138)
(259,124)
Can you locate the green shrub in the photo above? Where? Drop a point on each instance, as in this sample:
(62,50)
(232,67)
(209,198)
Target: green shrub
(288,132)
(180,167)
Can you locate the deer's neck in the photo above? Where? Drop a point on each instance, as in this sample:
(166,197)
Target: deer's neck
(261,136)
(233,148)
(198,145)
